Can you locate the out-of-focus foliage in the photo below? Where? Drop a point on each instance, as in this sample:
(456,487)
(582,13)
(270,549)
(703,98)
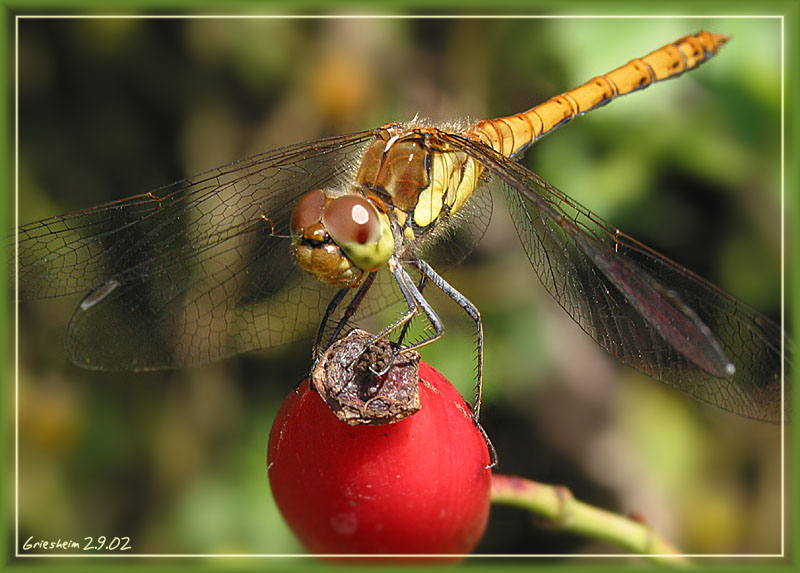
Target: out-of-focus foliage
(176,460)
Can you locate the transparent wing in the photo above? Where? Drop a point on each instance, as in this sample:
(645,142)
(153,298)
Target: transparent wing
(644,309)
(192,272)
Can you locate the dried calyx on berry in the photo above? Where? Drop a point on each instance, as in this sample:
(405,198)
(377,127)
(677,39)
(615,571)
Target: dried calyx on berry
(368,383)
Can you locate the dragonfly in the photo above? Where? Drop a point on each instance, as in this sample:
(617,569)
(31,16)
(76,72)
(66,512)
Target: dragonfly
(317,235)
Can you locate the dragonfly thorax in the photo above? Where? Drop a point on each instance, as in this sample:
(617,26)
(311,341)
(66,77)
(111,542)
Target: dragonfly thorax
(422,178)
(338,239)
(397,168)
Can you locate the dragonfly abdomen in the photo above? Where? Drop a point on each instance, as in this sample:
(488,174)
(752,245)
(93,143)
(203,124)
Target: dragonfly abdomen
(512,135)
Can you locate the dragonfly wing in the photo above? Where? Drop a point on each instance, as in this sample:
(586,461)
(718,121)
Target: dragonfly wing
(175,317)
(192,272)
(79,251)
(644,309)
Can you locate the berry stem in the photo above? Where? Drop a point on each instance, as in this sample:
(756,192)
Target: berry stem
(564,512)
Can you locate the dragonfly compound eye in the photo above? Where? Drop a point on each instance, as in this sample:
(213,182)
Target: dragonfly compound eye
(308,211)
(360,230)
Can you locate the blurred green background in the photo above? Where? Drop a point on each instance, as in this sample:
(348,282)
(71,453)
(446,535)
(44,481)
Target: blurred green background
(176,460)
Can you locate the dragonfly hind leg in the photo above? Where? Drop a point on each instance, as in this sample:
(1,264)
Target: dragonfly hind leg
(473,312)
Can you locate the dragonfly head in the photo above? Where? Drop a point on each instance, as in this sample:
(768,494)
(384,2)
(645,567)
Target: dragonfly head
(341,238)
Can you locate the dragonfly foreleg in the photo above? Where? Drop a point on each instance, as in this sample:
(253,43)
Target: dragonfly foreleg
(332,306)
(351,309)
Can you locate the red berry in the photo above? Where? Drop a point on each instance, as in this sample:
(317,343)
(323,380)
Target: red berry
(415,486)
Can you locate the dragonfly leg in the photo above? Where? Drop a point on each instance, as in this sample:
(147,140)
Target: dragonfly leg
(423,279)
(315,351)
(415,302)
(351,309)
(403,332)
(473,312)
(489,444)
(332,306)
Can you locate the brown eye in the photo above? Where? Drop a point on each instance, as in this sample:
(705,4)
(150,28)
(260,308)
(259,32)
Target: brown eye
(352,219)
(307,211)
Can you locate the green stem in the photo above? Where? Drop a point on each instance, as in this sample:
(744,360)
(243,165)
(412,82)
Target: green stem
(566,513)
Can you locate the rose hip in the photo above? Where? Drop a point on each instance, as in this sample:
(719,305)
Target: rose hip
(416,486)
